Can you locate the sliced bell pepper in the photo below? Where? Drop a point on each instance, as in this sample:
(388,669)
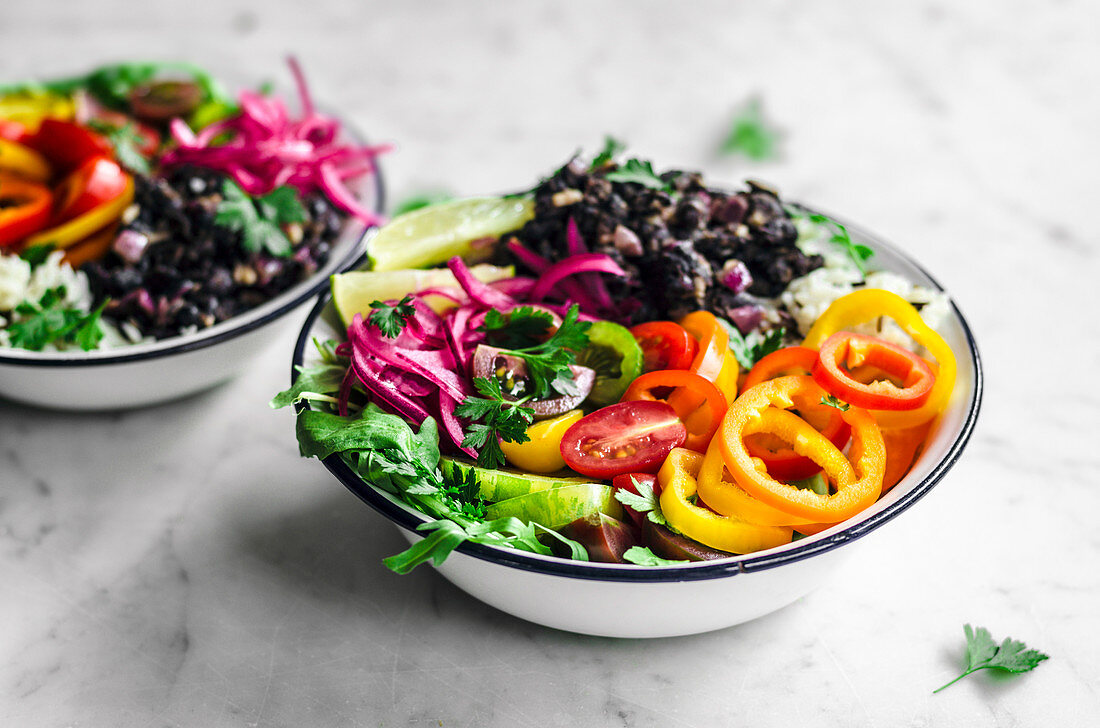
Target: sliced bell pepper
(701,420)
(541,453)
(678,487)
(20,160)
(68,144)
(763,409)
(845,351)
(902,446)
(713,361)
(80,227)
(98,180)
(24,208)
(781,363)
(782,462)
(868,304)
(719,491)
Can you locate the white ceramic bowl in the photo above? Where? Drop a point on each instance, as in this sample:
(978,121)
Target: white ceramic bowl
(157,372)
(591,598)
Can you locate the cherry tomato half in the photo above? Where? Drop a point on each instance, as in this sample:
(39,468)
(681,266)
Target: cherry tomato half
(97,180)
(701,413)
(626,437)
(665,345)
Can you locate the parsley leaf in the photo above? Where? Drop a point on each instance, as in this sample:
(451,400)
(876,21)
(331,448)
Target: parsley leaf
(643,556)
(644,501)
(493,418)
(418,201)
(751,348)
(858,253)
(612,147)
(548,362)
(259,220)
(36,254)
(832,401)
(126,141)
(751,134)
(51,320)
(639,172)
(390,320)
(982,653)
(520,327)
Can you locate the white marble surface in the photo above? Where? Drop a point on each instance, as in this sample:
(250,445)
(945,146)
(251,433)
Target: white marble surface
(181,566)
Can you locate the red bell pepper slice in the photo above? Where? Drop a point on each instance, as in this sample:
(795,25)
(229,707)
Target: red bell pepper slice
(24,208)
(98,180)
(67,144)
(845,351)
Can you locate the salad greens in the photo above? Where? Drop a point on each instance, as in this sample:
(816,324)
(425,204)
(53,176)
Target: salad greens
(493,416)
(639,172)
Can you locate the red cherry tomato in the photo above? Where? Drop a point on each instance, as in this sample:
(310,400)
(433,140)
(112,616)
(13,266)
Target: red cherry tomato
(97,180)
(67,144)
(665,345)
(626,437)
(626,482)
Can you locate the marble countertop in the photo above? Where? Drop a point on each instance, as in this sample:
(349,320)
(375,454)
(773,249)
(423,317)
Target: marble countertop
(181,566)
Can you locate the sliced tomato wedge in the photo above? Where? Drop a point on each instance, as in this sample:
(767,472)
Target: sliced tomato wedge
(622,438)
(701,412)
(665,345)
(906,380)
(98,180)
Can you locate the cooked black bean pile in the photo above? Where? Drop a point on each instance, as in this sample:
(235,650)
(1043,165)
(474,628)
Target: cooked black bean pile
(172,268)
(681,248)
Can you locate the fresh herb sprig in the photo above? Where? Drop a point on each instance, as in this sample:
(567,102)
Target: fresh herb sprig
(548,362)
(612,148)
(51,320)
(832,401)
(521,327)
(260,219)
(492,418)
(639,172)
(858,253)
(391,320)
(983,653)
(126,141)
(644,501)
(751,134)
(752,347)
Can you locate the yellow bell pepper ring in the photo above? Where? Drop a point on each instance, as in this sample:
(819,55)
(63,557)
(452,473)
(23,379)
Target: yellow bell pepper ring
(729,499)
(82,226)
(677,478)
(868,304)
(542,452)
(23,161)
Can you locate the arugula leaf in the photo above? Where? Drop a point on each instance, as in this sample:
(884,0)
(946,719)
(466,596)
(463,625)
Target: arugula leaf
(259,220)
(983,653)
(612,147)
(51,320)
(390,320)
(125,140)
(644,501)
(639,172)
(491,417)
(643,556)
(421,200)
(316,383)
(833,401)
(751,134)
(520,327)
(751,348)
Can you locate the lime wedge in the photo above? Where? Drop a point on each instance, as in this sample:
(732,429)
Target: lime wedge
(354,292)
(432,235)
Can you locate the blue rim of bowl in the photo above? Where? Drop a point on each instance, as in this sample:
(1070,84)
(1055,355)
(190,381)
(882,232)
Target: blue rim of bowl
(231,327)
(694,571)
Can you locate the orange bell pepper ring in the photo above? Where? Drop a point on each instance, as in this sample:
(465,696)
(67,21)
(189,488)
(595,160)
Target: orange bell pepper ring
(677,478)
(857,477)
(701,420)
(73,231)
(781,363)
(719,491)
(25,208)
(869,304)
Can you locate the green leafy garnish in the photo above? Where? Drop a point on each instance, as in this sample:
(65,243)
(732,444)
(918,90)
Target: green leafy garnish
(751,134)
(548,362)
(640,172)
(521,327)
(125,140)
(612,147)
(421,200)
(259,220)
(858,253)
(983,653)
(644,501)
(832,401)
(390,320)
(36,254)
(751,348)
(492,416)
(643,556)
(51,320)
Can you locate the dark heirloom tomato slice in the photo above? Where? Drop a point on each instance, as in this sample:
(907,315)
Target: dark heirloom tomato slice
(665,345)
(626,437)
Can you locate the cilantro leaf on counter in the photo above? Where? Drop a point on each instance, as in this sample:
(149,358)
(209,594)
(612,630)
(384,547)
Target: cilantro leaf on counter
(260,220)
(644,501)
(639,172)
(983,653)
(612,147)
(643,556)
(126,142)
(51,319)
(751,134)
(390,320)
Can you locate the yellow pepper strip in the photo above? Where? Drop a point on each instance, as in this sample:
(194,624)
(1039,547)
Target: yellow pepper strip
(542,452)
(678,486)
(23,161)
(728,498)
(82,226)
(763,408)
(868,304)
(29,108)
